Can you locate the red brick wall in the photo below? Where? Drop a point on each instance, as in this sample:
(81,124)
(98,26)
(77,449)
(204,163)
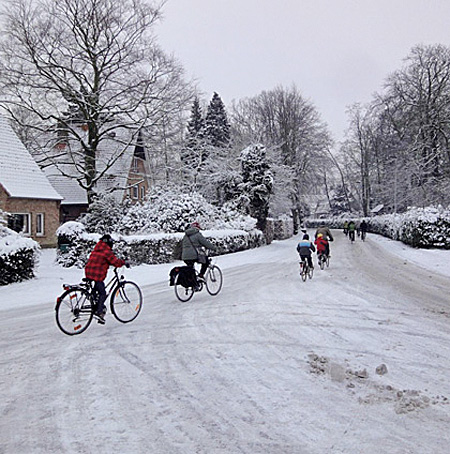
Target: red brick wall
(137,177)
(50,209)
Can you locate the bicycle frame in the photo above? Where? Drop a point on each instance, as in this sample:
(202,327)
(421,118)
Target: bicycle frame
(88,284)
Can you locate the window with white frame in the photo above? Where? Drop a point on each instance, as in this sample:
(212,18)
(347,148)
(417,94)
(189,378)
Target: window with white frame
(142,192)
(134,166)
(135,192)
(20,222)
(40,226)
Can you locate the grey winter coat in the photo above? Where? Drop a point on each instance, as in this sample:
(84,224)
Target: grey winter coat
(325,231)
(196,243)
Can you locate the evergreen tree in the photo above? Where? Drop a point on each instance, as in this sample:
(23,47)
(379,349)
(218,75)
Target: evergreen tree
(257,183)
(217,127)
(193,153)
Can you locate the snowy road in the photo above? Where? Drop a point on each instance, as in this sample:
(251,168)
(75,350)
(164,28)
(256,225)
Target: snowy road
(270,365)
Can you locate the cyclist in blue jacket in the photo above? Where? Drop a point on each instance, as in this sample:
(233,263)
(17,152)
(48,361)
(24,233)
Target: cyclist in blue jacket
(305,248)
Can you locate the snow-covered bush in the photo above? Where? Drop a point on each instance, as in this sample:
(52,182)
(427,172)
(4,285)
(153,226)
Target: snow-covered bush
(150,248)
(170,210)
(104,214)
(75,244)
(418,227)
(18,255)
(283,227)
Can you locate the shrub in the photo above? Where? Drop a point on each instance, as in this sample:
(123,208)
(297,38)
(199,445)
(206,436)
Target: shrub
(18,256)
(151,249)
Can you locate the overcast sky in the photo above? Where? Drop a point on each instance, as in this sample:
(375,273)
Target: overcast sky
(337,52)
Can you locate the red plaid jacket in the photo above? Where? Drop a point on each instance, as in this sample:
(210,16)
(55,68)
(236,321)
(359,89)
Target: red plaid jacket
(101,257)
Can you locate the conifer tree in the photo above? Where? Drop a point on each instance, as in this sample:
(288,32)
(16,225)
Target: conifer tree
(193,153)
(217,127)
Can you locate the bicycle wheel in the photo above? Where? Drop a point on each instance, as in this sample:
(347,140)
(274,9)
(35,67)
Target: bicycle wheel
(328,261)
(310,272)
(322,261)
(182,293)
(303,271)
(126,301)
(214,280)
(74,311)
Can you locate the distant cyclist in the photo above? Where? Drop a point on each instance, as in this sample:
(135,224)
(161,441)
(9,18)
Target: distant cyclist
(363,229)
(305,248)
(326,234)
(351,231)
(345,228)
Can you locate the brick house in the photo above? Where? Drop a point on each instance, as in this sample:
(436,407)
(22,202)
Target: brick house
(26,195)
(126,178)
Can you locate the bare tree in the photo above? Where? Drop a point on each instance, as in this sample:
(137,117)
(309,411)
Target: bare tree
(285,121)
(417,102)
(95,63)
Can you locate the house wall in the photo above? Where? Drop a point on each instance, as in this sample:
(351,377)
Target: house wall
(72,212)
(137,177)
(33,207)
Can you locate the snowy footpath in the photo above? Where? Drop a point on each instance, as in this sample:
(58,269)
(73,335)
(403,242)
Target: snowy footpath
(355,360)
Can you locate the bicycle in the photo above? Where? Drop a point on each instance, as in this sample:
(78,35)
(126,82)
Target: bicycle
(305,270)
(75,307)
(213,281)
(323,260)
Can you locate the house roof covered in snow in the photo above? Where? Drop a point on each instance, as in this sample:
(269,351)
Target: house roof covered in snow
(20,175)
(110,154)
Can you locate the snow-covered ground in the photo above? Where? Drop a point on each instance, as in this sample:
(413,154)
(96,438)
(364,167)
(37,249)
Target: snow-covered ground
(270,365)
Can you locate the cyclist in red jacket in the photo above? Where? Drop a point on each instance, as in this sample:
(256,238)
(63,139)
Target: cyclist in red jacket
(97,268)
(322,245)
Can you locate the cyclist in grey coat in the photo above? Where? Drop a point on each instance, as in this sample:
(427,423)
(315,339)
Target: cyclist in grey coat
(193,244)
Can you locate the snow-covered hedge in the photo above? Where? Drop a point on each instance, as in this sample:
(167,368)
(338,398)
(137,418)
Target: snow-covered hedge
(418,227)
(18,256)
(283,227)
(76,244)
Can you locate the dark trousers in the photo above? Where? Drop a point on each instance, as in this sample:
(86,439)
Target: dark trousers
(100,293)
(309,258)
(203,268)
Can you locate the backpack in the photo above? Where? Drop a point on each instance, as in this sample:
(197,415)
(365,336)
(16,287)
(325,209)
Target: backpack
(177,250)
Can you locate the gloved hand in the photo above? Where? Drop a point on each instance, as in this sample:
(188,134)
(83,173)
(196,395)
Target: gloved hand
(127,264)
